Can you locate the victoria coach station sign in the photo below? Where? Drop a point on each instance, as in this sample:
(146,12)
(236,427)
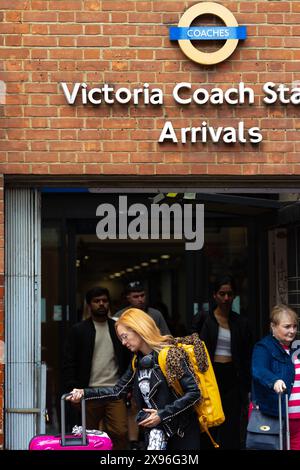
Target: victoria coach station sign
(185,34)
(184,94)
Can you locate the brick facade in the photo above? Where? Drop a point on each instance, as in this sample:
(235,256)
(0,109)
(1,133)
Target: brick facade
(125,43)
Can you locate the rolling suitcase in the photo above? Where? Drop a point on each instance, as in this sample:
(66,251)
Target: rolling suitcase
(266,432)
(93,440)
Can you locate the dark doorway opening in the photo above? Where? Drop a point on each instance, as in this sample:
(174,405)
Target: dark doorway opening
(74,259)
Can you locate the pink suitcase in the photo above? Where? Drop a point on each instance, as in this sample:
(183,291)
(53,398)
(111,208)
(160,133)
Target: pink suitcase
(83,441)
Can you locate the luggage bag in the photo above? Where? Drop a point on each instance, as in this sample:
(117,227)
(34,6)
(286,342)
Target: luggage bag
(85,441)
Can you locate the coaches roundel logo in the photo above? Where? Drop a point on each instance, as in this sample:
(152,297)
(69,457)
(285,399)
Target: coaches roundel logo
(185,34)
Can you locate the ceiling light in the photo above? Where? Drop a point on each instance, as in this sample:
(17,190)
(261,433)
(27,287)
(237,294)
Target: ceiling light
(159,197)
(189,196)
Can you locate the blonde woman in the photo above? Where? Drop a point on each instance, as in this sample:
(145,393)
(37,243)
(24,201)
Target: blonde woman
(169,421)
(276,369)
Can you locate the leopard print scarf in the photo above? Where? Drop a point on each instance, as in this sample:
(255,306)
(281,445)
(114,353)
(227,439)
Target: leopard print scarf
(176,354)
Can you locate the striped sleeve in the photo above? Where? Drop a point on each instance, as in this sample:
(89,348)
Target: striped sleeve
(294,400)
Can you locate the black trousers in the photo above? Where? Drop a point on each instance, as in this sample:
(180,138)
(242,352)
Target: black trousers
(191,438)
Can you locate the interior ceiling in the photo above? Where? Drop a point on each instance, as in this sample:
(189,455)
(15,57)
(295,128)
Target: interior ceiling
(134,252)
(233,209)
(82,207)
(92,253)
(102,254)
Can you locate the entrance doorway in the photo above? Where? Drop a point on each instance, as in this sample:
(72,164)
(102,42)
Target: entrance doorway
(256,236)
(178,281)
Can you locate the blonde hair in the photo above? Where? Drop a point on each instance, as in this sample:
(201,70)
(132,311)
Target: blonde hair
(278,311)
(142,324)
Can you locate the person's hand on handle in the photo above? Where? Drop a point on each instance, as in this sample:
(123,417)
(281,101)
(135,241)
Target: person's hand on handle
(279,386)
(76,395)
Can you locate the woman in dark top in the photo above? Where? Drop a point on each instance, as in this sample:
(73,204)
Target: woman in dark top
(229,342)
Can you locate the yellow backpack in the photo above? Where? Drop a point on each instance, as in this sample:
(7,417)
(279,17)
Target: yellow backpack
(209,408)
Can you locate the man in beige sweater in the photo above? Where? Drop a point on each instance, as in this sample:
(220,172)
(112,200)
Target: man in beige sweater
(94,357)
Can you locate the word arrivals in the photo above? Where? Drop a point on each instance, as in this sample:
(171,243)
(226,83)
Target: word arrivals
(154,223)
(206,133)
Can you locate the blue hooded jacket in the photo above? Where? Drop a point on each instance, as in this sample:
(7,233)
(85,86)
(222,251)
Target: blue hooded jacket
(270,362)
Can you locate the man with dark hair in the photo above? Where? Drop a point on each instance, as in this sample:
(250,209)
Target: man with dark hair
(136,297)
(94,357)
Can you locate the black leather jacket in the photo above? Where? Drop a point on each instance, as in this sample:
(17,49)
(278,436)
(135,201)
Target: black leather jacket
(174,411)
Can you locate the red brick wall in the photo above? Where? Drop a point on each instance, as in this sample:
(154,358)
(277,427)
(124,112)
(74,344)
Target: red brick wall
(126,43)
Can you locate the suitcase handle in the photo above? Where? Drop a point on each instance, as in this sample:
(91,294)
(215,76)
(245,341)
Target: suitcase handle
(70,441)
(287,426)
